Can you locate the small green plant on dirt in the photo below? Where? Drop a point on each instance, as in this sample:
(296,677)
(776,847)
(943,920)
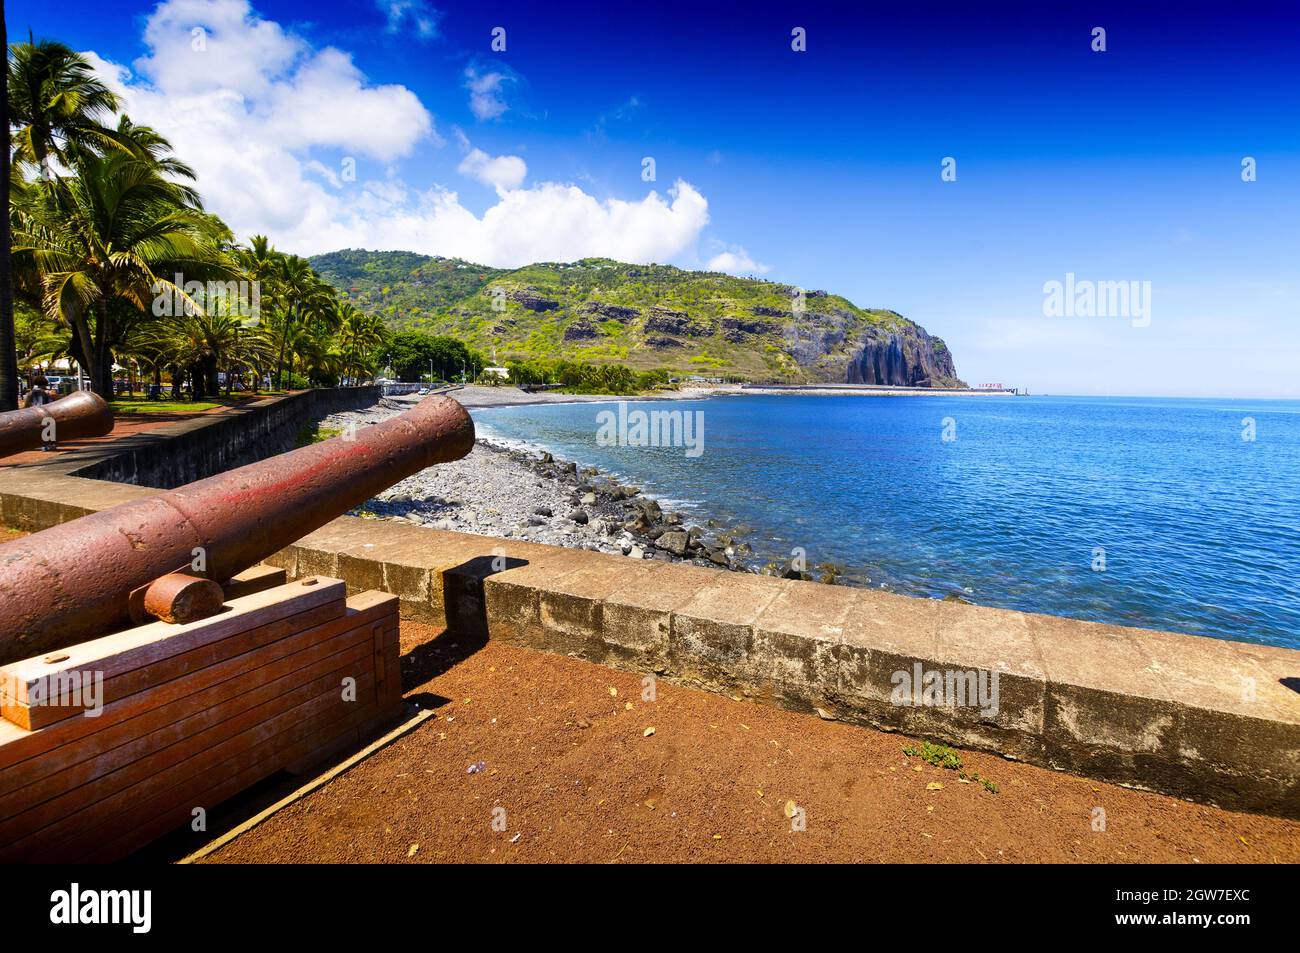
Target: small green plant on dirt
(989,786)
(941,756)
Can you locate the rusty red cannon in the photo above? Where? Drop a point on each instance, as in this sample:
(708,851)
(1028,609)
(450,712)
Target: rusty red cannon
(76,581)
(83,414)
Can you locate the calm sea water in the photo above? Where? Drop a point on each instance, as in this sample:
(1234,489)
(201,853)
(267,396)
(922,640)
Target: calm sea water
(1200,528)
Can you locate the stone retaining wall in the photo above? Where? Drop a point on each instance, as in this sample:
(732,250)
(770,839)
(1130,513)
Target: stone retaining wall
(1200,718)
(190,450)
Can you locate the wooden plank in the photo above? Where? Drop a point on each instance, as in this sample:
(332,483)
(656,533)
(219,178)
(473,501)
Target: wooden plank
(238,675)
(229,734)
(144,679)
(204,782)
(163,818)
(388,706)
(17,745)
(269,683)
(392,693)
(37,842)
(412,720)
(286,723)
(149,644)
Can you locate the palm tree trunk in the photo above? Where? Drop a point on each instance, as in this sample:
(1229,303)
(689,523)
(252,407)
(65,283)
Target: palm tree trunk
(101,359)
(8,354)
(84,352)
(284,339)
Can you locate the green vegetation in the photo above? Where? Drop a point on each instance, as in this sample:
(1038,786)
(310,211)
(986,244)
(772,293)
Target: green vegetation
(416,356)
(141,405)
(117,266)
(941,756)
(598,311)
(315,433)
(576,377)
(988,785)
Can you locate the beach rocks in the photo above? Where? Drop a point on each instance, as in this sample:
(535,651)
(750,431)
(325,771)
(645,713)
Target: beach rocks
(674,542)
(506,492)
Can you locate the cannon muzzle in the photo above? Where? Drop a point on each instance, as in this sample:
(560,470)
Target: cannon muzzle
(83,414)
(73,582)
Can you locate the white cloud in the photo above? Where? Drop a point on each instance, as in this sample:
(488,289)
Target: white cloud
(423,18)
(253,115)
(736,261)
(487,92)
(500,172)
(554,222)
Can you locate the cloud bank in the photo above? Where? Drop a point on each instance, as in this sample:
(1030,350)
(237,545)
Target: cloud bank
(275,128)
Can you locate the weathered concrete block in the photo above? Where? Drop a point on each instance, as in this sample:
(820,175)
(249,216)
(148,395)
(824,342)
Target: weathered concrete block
(794,662)
(463,584)
(883,635)
(711,634)
(996,648)
(636,620)
(1099,692)
(317,553)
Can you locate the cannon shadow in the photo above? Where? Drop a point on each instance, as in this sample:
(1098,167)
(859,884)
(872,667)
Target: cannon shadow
(465,630)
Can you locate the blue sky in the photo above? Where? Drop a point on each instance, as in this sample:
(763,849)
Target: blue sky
(817,168)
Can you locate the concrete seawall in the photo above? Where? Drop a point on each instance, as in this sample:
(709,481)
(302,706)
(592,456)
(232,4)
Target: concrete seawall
(1200,718)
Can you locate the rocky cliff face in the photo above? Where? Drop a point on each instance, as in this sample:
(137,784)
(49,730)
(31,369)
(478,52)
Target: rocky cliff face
(834,347)
(907,356)
(647,316)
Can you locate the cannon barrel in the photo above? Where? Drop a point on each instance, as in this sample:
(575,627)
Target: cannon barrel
(83,414)
(73,582)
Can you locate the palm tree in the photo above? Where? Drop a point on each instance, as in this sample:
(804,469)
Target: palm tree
(206,343)
(56,103)
(305,301)
(359,338)
(146,143)
(8,351)
(117,231)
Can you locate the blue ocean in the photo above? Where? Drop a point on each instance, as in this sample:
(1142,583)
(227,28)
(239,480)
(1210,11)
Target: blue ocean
(1158,513)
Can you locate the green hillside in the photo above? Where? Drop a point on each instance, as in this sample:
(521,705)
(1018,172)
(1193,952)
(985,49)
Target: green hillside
(644,316)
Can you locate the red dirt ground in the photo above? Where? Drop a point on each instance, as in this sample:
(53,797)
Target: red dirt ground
(566,754)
